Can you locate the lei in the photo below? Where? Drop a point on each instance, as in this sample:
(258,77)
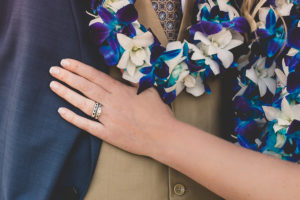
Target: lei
(267,100)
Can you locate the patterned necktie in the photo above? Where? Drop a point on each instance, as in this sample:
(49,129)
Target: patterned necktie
(170,14)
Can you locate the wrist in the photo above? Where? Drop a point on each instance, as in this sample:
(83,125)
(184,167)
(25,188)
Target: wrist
(167,138)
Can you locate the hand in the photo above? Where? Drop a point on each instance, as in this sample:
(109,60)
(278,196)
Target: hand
(129,121)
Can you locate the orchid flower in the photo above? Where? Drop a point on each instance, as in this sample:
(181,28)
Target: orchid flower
(224,14)
(285,116)
(178,69)
(106,25)
(219,44)
(136,54)
(158,73)
(262,76)
(269,30)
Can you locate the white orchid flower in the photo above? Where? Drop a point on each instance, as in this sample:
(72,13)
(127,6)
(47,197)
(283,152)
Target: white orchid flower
(178,68)
(282,75)
(198,54)
(283,7)
(137,54)
(262,76)
(283,118)
(194,85)
(220,44)
(115,5)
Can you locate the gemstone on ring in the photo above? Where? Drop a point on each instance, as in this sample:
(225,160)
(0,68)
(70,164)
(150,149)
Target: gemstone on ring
(95,109)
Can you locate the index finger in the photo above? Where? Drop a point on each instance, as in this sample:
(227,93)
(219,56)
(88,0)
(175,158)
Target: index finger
(90,73)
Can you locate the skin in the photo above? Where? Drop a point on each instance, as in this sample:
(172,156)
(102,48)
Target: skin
(144,125)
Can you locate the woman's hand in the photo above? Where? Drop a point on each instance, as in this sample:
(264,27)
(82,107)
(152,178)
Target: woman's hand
(129,121)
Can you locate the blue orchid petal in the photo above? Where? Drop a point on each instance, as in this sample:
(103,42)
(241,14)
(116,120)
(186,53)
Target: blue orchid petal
(156,52)
(146,70)
(93,4)
(293,82)
(111,52)
(108,55)
(248,129)
(170,54)
(271,20)
(106,16)
(127,14)
(195,67)
(294,38)
(274,45)
(263,33)
(206,27)
(145,83)
(99,33)
(290,146)
(129,30)
(207,88)
(169,97)
(162,71)
(242,105)
(185,50)
(239,24)
(294,127)
(205,13)
(297,67)
(245,143)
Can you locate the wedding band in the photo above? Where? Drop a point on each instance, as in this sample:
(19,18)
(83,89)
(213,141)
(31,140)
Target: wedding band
(99,111)
(96,106)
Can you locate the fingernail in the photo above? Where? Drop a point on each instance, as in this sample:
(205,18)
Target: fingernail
(54,85)
(61,111)
(65,62)
(54,70)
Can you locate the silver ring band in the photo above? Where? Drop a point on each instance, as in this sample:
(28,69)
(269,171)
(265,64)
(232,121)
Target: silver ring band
(99,111)
(95,109)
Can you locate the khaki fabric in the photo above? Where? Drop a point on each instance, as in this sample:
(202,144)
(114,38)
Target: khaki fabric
(123,176)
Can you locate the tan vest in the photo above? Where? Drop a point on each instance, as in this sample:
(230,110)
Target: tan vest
(123,176)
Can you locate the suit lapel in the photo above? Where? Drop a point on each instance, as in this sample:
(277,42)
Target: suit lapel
(186,19)
(148,17)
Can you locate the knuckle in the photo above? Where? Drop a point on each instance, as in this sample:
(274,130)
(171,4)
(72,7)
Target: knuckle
(85,87)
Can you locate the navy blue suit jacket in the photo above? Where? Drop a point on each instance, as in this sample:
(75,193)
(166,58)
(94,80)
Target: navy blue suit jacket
(41,155)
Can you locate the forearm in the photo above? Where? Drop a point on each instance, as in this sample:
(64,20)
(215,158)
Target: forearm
(231,171)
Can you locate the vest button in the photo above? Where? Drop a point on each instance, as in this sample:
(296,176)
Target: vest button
(179,189)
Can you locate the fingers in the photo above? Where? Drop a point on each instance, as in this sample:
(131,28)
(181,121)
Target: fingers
(90,126)
(84,104)
(90,73)
(88,88)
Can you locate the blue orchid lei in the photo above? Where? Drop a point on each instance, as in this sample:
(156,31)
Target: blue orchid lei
(268,83)
(267,102)
(127,44)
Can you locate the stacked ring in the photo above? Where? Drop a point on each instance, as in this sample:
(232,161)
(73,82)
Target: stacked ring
(97,110)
